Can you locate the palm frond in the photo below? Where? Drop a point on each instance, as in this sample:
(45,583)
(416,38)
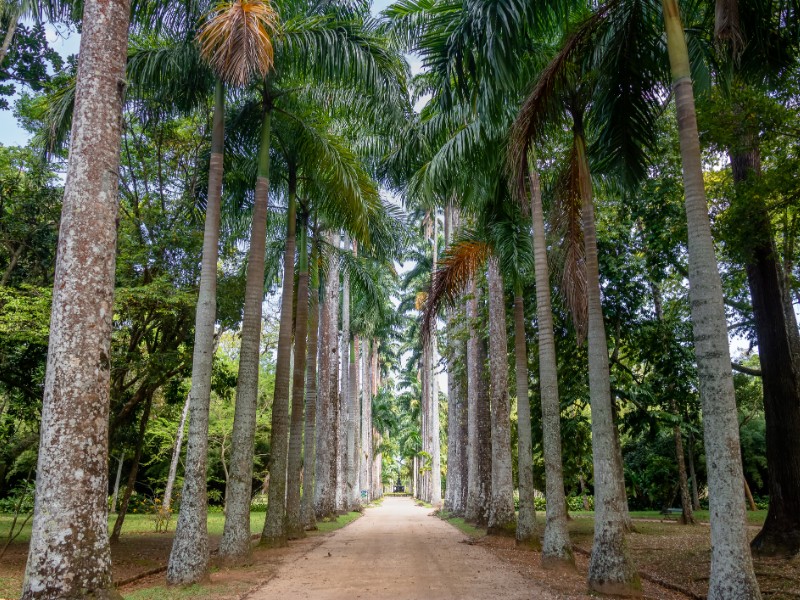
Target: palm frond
(236,40)
(460,263)
(566,218)
(543,105)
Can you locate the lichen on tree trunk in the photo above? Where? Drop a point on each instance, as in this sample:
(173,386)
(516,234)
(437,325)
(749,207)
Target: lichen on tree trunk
(69,555)
(502,519)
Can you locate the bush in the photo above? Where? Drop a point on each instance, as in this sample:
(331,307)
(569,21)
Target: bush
(258,503)
(23,492)
(575,503)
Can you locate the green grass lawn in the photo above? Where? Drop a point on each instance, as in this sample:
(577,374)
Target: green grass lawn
(462,525)
(141,524)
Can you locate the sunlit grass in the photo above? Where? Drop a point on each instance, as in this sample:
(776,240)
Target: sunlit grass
(337,523)
(139,524)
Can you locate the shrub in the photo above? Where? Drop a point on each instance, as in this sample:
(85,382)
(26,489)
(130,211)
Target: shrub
(258,503)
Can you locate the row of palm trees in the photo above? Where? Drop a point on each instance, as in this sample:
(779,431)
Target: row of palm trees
(303,84)
(500,91)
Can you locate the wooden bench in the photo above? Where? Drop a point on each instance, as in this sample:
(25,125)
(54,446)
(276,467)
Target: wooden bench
(670,512)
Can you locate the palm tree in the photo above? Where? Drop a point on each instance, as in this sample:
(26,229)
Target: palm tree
(69,554)
(732,574)
(336,186)
(556,546)
(302,336)
(235,42)
(563,87)
(501,512)
(274,533)
(479,444)
(307,516)
(326,414)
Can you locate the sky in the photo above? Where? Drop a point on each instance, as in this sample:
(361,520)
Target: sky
(65,43)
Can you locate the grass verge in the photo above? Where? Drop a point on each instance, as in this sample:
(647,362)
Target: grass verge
(462,525)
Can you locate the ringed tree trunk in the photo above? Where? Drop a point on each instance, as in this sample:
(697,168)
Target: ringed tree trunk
(235,544)
(455,498)
(453,443)
(502,519)
(344,392)
(433,407)
(732,576)
(526,522)
(365,455)
(274,533)
(556,546)
(353,497)
(779,352)
(69,555)
(308,517)
(294,521)
(472,512)
(483,417)
(611,569)
(460,495)
(325,476)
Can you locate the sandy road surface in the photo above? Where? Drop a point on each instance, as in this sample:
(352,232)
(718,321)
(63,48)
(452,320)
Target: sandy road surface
(398,551)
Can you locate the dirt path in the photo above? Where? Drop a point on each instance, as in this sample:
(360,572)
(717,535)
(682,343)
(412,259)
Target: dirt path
(397,551)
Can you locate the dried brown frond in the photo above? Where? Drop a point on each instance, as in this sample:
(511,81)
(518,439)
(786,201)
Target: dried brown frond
(460,263)
(235,40)
(727,28)
(543,103)
(419,301)
(567,219)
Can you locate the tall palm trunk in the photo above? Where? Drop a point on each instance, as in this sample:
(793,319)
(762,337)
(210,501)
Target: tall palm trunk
(294,521)
(483,416)
(309,442)
(425,425)
(327,396)
(274,533)
(611,569)
(502,519)
(472,512)
(344,392)
(69,554)
(526,522)
(235,544)
(365,455)
(353,497)
(556,546)
(433,406)
(188,561)
(455,497)
(732,575)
